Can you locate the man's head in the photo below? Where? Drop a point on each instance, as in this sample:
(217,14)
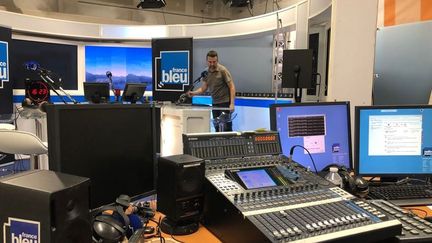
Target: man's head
(212,60)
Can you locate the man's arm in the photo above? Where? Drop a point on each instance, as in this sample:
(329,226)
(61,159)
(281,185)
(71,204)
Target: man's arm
(232,89)
(200,90)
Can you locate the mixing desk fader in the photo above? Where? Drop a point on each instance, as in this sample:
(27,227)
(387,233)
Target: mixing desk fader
(255,194)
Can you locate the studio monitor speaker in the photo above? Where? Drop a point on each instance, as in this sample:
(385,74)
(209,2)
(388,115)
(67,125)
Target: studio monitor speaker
(42,206)
(180,192)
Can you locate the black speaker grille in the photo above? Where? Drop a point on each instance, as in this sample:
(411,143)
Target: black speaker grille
(191,181)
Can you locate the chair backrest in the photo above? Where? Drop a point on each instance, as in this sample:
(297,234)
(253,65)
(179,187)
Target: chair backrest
(21,142)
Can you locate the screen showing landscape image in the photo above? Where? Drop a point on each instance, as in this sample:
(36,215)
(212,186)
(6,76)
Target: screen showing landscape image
(126,64)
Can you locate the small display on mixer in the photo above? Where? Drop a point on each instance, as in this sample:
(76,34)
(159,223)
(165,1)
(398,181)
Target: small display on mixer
(253,179)
(258,177)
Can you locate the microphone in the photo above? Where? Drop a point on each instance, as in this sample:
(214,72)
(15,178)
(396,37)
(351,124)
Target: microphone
(109,74)
(291,154)
(32,66)
(305,149)
(35,66)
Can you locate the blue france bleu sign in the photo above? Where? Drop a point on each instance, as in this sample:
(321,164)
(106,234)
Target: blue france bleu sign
(4,63)
(21,231)
(174,70)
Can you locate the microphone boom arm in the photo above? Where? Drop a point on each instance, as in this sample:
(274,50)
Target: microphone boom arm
(47,79)
(194,82)
(184,97)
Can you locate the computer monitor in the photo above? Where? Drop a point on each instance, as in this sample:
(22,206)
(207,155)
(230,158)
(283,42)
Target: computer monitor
(133,92)
(297,68)
(97,92)
(322,128)
(393,141)
(112,144)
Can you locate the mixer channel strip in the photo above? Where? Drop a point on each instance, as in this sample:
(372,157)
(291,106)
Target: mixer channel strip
(324,222)
(414,228)
(266,202)
(231,145)
(230,163)
(218,148)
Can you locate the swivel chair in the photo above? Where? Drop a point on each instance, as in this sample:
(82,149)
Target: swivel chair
(20,142)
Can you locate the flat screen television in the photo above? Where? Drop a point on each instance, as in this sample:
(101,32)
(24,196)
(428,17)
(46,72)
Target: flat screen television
(393,141)
(112,144)
(322,128)
(97,92)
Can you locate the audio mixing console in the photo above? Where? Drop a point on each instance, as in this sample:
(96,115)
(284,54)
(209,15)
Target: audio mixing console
(414,228)
(255,194)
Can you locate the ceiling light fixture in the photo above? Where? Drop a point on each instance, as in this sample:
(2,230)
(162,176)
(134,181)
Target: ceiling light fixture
(151,4)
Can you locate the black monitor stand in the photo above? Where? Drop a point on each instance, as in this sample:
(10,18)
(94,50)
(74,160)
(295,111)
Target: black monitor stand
(297,91)
(134,98)
(182,227)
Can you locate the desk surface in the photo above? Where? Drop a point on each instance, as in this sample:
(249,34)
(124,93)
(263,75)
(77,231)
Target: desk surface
(421,211)
(202,235)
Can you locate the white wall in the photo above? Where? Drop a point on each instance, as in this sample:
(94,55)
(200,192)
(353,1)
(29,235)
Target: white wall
(352,50)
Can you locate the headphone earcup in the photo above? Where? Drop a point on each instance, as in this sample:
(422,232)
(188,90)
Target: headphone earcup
(348,181)
(110,227)
(351,184)
(361,186)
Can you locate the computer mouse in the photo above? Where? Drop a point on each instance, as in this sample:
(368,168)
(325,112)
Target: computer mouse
(149,230)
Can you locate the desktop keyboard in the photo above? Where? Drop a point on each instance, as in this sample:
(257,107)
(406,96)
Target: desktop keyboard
(403,195)
(414,228)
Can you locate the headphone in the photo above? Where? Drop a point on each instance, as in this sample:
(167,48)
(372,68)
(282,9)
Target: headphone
(109,228)
(28,103)
(355,185)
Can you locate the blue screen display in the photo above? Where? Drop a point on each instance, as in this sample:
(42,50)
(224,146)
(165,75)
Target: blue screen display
(323,129)
(126,64)
(394,140)
(253,179)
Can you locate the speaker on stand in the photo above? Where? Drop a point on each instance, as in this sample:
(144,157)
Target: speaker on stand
(180,193)
(45,206)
